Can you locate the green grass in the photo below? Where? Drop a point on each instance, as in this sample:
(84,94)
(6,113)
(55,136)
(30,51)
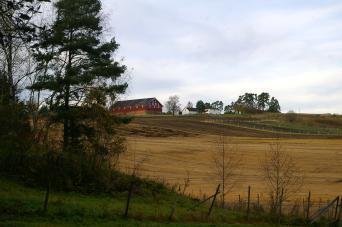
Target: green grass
(300,124)
(22,206)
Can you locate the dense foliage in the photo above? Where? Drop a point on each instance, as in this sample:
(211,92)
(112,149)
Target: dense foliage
(254,103)
(67,141)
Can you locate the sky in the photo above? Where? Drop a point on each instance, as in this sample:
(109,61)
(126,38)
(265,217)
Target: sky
(219,49)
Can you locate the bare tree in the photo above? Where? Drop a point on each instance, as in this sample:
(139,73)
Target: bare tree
(17,32)
(173,105)
(189,105)
(226,161)
(282,176)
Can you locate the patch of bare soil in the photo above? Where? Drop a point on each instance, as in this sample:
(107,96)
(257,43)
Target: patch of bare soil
(149,131)
(167,126)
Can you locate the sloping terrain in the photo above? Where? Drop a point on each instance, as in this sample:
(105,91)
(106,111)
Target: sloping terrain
(206,125)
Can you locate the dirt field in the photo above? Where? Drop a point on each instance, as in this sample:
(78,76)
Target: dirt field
(169,151)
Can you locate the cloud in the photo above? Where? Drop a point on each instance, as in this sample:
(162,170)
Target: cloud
(220,49)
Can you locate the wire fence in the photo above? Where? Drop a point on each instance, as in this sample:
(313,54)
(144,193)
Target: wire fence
(275,128)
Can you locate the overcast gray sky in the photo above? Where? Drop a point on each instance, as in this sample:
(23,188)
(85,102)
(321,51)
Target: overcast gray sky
(219,49)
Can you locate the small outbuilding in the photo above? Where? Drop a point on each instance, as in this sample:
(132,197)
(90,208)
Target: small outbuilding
(189,111)
(212,111)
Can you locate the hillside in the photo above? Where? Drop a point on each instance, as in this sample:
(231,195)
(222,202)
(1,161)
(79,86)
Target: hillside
(172,147)
(21,205)
(260,125)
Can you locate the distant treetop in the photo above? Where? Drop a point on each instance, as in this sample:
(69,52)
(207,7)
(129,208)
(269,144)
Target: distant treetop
(254,103)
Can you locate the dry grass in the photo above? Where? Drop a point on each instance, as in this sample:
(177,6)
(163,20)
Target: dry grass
(170,157)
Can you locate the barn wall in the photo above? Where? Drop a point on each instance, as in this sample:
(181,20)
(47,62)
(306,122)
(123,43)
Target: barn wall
(138,111)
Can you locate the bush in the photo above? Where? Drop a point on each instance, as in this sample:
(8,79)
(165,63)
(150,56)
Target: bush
(15,131)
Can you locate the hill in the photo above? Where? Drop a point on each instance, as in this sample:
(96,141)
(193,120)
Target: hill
(259,125)
(20,205)
(172,147)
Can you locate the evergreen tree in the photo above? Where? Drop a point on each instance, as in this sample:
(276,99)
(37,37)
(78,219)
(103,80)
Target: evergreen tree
(200,106)
(274,106)
(78,70)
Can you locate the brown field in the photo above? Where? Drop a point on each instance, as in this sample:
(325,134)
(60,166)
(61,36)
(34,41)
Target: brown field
(169,149)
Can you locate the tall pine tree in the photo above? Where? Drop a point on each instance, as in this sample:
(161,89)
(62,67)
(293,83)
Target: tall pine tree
(78,70)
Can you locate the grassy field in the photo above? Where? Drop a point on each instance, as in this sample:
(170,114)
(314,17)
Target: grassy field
(171,148)
(262,126)
(21,206)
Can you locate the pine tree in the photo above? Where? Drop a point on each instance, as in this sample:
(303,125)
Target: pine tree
(75,64)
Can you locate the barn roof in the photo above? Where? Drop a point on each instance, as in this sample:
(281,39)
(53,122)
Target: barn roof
(191,109)
(134,102)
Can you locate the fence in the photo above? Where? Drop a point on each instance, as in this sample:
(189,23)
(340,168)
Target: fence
(275,129)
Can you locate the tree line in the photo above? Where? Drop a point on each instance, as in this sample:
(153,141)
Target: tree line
(248,103)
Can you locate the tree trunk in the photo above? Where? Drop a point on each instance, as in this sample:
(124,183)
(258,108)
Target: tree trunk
(67,121)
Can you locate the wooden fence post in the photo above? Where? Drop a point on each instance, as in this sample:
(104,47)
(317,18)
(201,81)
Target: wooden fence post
(213,202)
(129,198)
(308,206)
(258,201)
(47,194)
(248,201)
(280,205)
(340,213)
(239,206)
(173,209)
(337,206)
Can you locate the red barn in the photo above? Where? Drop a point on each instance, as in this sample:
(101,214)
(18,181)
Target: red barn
(138,107)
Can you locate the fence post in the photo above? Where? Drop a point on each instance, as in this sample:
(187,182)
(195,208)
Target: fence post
(248,201)
(239,206)
(336,209)
(280,205)
(340,213)
(173,210)
(308,207)
(213,202)
(129,198)
(258,201)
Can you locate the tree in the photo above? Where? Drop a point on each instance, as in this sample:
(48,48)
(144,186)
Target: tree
(200,106)
(207,105)
(217,105)
(274,106)
(263,100)
(281,175)
(16,34)
(189,105)
(249,100)
(229,109)
(226,164)
(173,105)
(253,103)
(75,62)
